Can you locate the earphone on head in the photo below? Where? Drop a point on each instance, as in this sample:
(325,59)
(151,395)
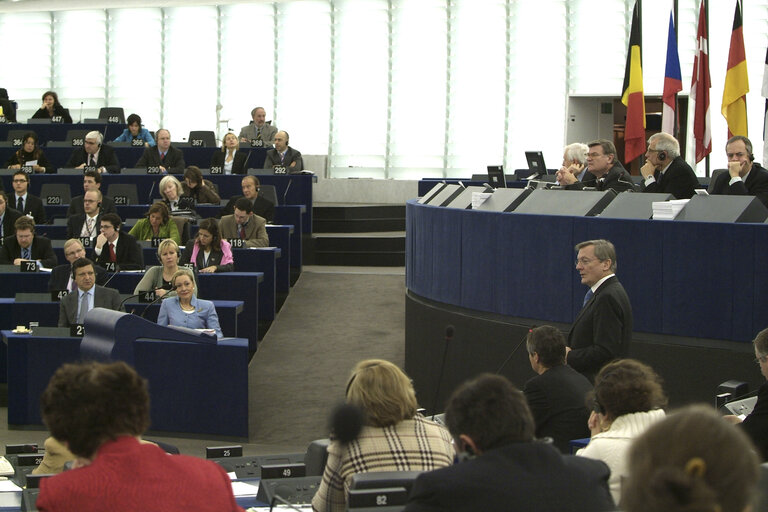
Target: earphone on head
(662,156)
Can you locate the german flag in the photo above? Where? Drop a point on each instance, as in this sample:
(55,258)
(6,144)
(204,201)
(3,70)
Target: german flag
(736,81)
(632,97)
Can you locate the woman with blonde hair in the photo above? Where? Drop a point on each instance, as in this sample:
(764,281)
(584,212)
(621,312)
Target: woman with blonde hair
(230,160)
(394,437)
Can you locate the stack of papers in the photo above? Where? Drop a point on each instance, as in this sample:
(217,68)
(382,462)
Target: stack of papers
(668,210)
(479,198)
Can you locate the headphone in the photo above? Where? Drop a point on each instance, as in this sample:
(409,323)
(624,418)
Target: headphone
(597,407)
(662,156)
(160,259)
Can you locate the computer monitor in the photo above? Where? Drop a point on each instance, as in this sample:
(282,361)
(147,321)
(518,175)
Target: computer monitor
(496,176)
(536,162)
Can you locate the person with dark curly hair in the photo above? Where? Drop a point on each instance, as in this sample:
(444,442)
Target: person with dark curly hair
(99,411)
(209,253)
(156,224)
(628,398)
(691,461)
(30,154)
(52,109)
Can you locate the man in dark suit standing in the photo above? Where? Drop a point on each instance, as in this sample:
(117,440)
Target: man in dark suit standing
(605,171)
(283,155)
(557,395)
(8,217)
(86,224)
(23,201)
(94,155)
(744,176)
(665,171)
(61,275)
(74,306)
(116,247)
(163,156)
(25,245)
(501,466)
(91,181)
(261,207)
(603,328)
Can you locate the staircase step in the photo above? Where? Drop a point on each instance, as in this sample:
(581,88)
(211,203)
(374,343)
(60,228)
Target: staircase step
(352,212)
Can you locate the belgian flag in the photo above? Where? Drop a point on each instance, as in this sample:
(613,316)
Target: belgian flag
(736,81)
(632,97)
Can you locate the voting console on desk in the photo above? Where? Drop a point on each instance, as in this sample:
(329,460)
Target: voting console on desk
(576,203)
(723,208)
(633,206)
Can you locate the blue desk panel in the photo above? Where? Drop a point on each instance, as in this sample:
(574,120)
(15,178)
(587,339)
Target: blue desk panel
(703,280)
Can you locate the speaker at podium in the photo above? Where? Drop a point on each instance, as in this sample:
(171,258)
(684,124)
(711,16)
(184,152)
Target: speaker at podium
(723,208)
(574,203)
(633,206)
(505,199)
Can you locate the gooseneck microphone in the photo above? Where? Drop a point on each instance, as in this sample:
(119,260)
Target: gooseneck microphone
(157,299)
(509,358)
(449,331)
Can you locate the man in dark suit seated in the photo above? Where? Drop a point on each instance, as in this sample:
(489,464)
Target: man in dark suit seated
(603,328)
(744,176)
(86,224)
(574,163)
(74,306)
(61,275)
(282,155)
(8,217)
(605,171)
(94,155)
(261,207)
(665,171)
(163,156)
(23,201)
(25,245)
(91,181)
(501,466)
(557,395)
(112,246)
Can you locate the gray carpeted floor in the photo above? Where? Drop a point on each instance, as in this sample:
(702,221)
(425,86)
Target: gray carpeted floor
(333,317)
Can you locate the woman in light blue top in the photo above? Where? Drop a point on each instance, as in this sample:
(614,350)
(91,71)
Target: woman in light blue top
(136,132)
(186,310)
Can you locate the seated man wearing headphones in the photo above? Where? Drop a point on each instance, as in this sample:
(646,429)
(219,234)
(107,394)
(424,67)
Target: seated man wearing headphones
(94,155)
(744,177)
(664,171)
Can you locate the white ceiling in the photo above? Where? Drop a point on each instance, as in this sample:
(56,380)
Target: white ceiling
(69,5)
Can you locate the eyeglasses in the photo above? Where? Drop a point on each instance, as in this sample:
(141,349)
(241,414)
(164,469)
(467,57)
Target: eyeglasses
(595,155)
(760,359)
(585,261)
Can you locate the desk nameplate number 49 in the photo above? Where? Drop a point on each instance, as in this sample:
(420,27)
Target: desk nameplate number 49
(272,471)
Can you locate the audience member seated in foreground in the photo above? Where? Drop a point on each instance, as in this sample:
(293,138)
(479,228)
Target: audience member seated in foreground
(691,461)
(74,306)
(185,309)
(114,246)
(156,224)
(501,466)
(25,245)
(158,278)
(209,253)
(756,423)
(98,411)
(394,436)
(557,395)
(196,187)
(627,400)
(61,275)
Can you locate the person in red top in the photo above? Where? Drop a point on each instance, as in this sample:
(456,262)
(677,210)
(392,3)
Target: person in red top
(98,411)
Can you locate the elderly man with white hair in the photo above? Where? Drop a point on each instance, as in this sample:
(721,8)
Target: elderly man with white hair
(665,171)
(574,166)
(94,155)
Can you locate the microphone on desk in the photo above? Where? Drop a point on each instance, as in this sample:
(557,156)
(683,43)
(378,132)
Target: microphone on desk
(245,164)
(117,271)
(282,501)
(509,358)
(80,120)
(449,331)
(287,187)
(149,197)
(630,183)
(157,299)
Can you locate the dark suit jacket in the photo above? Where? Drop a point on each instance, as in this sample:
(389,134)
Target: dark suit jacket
(213,259)
(174,159)
(128,253)
(261,207)
(291,155)
(102,298)
(755,185)
(41,250)
(75,225)
(756,424)
(107,159)
(238,165)
(678,180)
(60,276)
(524,477)
(557,401)
(9,220)
(76,205)
(602,330)
(32,206)
(617,178)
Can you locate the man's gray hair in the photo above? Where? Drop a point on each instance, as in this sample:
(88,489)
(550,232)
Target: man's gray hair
(577,152)
(95,135)
(604,250)
(667,143)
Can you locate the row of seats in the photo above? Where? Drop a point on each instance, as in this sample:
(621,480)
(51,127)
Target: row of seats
(197,138)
